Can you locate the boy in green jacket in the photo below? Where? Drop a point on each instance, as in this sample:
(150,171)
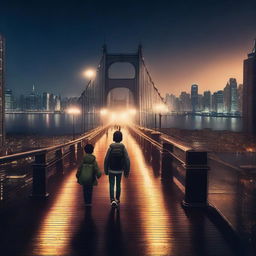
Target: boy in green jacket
(88,173)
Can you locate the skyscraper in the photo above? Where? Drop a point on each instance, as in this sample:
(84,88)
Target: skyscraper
(194,97)
(240,98)
(46,101)
(8,99)
(233,95)
(207,101)
(2,101)
(249,93)
(218,101)
(230,96)
(185,102)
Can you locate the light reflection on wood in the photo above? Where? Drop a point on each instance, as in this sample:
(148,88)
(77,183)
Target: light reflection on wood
(153,214)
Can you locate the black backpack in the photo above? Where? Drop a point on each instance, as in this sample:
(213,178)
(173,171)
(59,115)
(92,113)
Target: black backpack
(116,158)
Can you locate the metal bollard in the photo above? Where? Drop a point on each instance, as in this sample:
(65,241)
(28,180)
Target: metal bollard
(166,162)
(79,151)
(196,180)
(39,187)
(59,161)
(72,155)
(155,136)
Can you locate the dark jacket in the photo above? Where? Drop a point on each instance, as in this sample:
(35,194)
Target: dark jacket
(92,169)
(126,162)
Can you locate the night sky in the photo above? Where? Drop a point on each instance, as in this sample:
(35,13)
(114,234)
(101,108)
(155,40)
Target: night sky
(50,43)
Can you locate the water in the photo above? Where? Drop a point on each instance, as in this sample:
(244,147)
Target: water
(42,124)
(201,122)
(62,124)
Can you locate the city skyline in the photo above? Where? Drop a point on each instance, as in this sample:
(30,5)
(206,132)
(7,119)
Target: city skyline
(183,43)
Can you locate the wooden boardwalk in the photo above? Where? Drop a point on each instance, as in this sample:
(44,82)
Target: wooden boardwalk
(150,220)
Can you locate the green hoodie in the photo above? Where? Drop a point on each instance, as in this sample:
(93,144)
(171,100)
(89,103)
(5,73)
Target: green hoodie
(88,171)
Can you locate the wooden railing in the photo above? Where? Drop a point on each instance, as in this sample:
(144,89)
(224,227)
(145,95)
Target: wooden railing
(187,167)
(47,158)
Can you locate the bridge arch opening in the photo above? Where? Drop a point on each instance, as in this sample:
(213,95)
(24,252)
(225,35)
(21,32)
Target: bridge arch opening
(121,70)
(120,98)
(120,107)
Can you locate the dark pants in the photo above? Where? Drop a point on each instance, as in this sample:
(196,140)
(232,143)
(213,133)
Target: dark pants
(114,178)
(88,194)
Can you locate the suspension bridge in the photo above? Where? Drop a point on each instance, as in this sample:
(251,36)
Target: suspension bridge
(166,206)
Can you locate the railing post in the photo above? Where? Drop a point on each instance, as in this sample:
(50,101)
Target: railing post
(156,136)
(72,155)
(39,187)
(79,151)
(166,162)
(196,181)
(59,161)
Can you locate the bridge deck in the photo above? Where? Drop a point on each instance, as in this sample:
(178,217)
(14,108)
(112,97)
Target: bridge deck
(150,221)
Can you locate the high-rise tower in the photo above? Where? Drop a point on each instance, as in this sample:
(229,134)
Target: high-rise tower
(249,92)
(2,101)
(194,97)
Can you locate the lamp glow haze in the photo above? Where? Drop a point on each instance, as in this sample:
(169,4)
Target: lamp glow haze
(103,111)
(160,108)
(89,73)
(73,111)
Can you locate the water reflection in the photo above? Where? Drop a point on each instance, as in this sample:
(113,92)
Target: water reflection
(31,120)
(42,124)
(202,122)
(57,120)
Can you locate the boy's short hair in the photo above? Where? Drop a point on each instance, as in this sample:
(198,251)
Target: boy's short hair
(117,136)
(88,148)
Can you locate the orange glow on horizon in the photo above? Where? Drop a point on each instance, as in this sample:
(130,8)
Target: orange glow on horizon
(209,74)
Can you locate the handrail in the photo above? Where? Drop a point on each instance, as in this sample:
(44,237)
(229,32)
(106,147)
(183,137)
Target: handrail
(155,143)
(182,147)
(159,145)
(169,140)
(193,177)
(12,157)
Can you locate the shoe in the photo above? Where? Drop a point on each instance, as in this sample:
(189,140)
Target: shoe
(114,204)
(118,202)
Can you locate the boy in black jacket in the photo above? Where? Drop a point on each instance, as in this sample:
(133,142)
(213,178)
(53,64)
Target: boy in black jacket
(116,162)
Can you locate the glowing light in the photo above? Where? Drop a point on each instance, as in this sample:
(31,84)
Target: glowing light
(124,116)
(132,111)
(103,111)
(153,226)
(160,108)
(73,111)
(89,73)
(113,117)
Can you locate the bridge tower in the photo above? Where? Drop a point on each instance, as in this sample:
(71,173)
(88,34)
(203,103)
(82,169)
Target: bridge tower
(141,86)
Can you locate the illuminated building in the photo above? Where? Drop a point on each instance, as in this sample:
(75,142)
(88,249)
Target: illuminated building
(8,99)
(46,101)
(194,97)
(185,101)
(207,101)
(2,89)
(170,100)
(230,96)
(249,93)
(218,102)
(240,98)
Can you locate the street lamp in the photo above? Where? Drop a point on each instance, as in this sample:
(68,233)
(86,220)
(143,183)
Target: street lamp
(73,111)
(160,109)
(89,73)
